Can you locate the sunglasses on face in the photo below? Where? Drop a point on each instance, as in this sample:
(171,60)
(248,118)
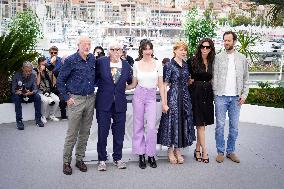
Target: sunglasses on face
(205,47)
(54,52)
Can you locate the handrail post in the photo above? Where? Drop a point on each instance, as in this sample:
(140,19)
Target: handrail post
(281,66)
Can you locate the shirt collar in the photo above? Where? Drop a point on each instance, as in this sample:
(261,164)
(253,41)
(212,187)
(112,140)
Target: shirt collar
(79,58)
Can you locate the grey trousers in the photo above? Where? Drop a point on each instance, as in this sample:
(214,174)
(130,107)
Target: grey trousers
(80,117)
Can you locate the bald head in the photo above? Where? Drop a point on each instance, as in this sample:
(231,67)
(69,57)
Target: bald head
(83,38)
(84,46)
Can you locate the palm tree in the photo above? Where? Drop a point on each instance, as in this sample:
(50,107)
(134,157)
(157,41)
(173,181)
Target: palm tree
(245,42)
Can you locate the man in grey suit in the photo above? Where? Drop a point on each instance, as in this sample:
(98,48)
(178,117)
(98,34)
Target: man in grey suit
(230,86)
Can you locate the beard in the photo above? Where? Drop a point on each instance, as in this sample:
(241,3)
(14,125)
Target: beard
(229,47)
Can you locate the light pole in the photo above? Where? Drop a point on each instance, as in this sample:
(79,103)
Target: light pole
(130,31)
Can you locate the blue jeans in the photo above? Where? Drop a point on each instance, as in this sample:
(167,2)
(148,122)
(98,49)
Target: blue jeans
(222,105)
(18,100)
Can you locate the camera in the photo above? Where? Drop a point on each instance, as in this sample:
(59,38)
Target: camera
(49,99)
(21,87)
(26,98)
(100,54)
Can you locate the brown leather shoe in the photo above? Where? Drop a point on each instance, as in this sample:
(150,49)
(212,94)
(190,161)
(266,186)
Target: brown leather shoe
(233,157)
(220,158)
(81,166)
(67,170)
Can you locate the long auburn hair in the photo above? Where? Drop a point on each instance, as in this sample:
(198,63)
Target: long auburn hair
(197,59)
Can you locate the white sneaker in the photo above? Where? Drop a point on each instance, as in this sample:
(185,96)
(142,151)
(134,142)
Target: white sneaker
(120,164)
(102,166)
(53,118)
(43,119)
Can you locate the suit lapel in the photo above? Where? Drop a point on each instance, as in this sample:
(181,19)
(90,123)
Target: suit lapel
(108,69)
(122,68)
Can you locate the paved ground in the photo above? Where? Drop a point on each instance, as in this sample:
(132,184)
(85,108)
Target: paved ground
(33,159)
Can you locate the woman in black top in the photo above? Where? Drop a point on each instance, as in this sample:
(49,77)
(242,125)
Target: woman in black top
(200,68)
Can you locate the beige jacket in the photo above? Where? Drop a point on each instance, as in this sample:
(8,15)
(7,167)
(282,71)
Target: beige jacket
(220,68)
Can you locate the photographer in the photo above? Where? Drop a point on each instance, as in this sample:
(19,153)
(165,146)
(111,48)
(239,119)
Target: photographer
(126,57)
(24,89)
(54,64)
(48,98)
(98,52)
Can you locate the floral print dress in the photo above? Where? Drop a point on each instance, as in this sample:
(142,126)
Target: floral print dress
(176,126)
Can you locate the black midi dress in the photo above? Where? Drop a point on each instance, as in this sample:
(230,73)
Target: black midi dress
(201,94)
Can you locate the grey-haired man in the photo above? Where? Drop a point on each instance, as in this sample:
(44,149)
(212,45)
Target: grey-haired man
(24,89)
(76,83)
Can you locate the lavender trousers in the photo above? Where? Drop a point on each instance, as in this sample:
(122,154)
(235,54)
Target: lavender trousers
(144,106)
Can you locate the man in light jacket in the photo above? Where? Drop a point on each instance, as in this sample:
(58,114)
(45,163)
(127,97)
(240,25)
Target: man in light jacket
(230,86)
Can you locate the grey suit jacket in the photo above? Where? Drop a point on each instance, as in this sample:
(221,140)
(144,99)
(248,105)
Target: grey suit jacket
(220,68)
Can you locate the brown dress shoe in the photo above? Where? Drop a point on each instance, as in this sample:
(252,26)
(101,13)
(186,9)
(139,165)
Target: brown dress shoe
(81,166)
(67,170)
(233,157)
(220,158)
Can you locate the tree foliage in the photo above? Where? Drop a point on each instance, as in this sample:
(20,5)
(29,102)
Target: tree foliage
(276,11)
(245,42)
(242,20)
(17,46)
(25,25)
(197,29)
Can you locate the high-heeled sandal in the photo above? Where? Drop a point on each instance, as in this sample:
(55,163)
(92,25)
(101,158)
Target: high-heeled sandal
(205,160)
(199,159)
(171,156)
(180,159)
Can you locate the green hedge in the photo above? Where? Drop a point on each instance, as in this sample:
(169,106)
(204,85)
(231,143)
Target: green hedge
(266,96)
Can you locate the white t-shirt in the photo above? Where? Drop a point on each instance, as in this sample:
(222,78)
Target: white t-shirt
(231,79)
(148,79)
(115,70)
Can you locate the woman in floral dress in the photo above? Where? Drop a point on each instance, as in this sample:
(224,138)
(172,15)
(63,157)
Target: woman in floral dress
(176,127)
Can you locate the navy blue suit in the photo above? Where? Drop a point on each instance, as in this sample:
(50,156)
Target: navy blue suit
(111,103)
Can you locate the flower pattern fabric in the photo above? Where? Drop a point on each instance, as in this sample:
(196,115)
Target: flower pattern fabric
(176,126)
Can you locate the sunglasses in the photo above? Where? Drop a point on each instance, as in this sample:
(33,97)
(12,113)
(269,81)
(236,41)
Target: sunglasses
(117,50)
(54,52)
(205,47)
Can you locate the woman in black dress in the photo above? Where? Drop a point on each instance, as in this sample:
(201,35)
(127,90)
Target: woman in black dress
(176,126)
(200,68)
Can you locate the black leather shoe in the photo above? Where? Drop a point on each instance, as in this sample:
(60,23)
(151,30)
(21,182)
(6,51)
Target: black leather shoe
(81,166)
(152,162)
(67,170)
(39,123)
(142,161)
(20,125)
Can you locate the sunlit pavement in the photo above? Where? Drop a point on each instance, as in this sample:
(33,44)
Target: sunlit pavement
(33,159)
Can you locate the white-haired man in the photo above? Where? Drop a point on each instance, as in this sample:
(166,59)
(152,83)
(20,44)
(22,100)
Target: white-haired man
(112,75)
(76,82)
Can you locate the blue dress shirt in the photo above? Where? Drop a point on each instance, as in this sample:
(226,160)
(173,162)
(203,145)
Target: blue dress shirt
(19,81)
(77,76)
